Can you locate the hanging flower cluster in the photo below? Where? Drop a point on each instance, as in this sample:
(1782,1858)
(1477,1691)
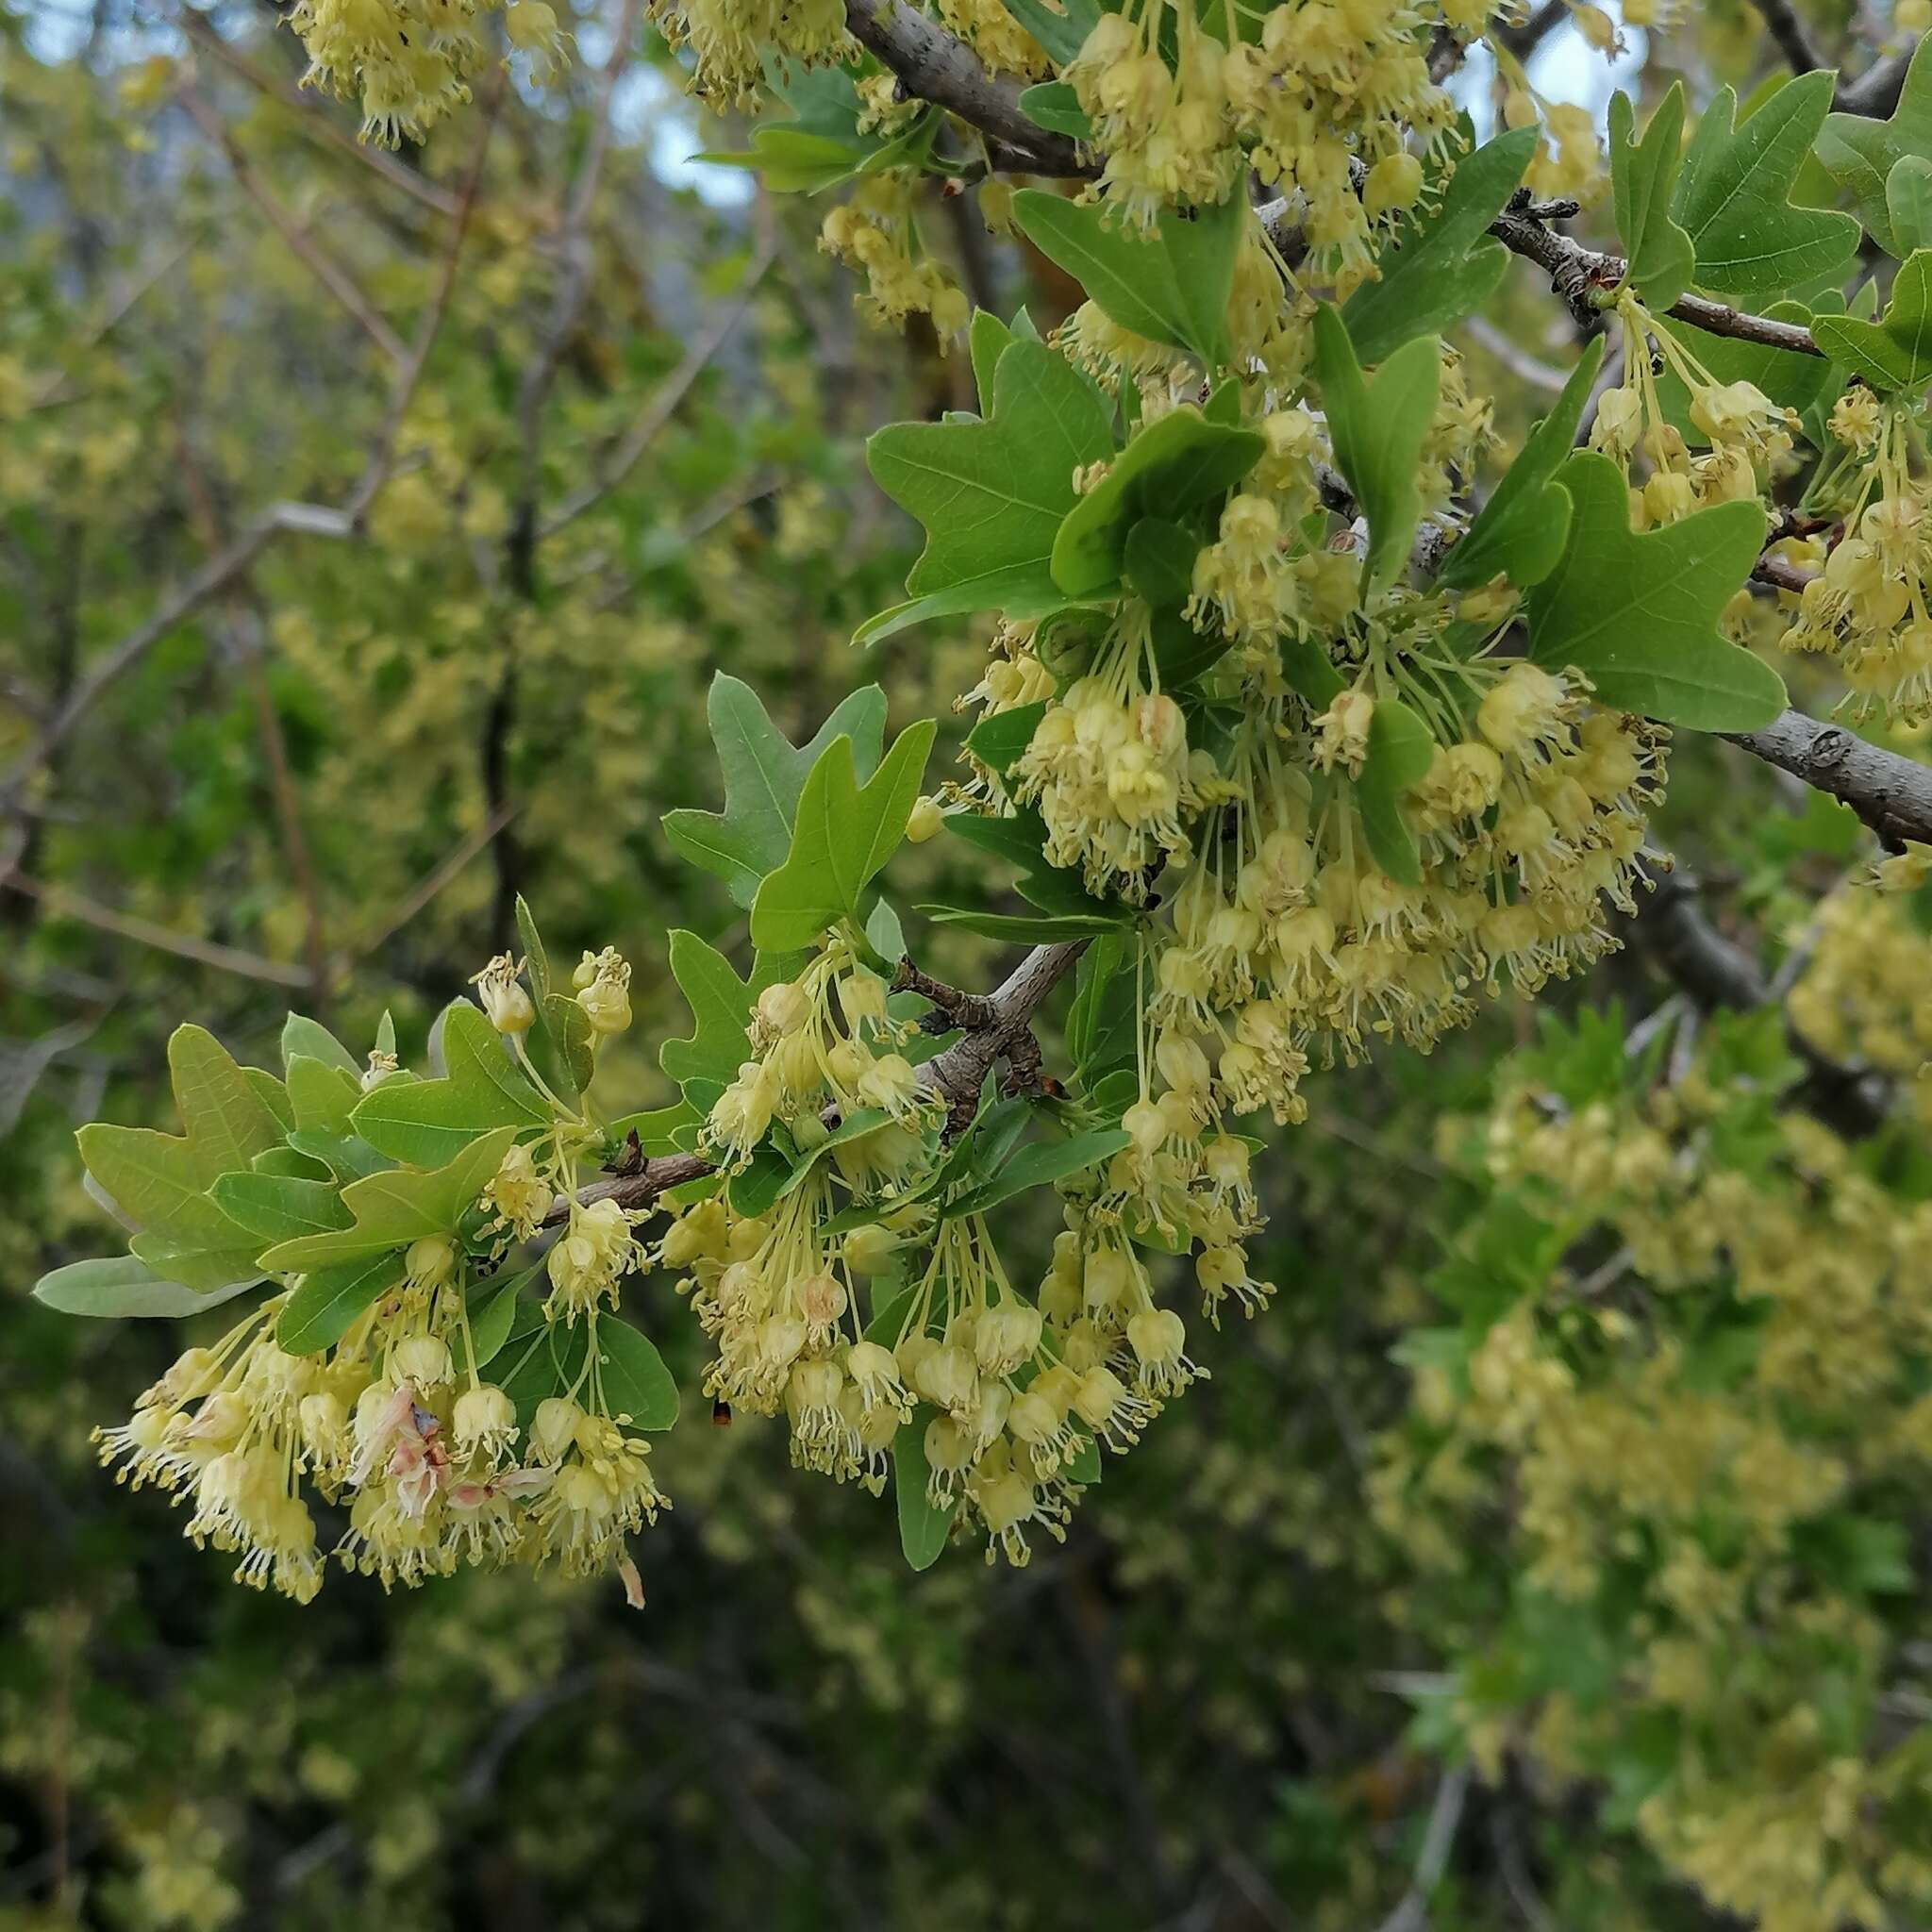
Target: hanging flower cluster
(392,1422)
(1316,103)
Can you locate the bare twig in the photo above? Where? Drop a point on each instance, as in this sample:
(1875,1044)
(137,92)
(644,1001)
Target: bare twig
(1782,22)
(1583,277)
(955,1075)
(572,286)
(333,277)
(663,401)
(215,575)
(312,117)
(64,902)
(1715,973)
(439,875)
(1439,1840)
(1512,355)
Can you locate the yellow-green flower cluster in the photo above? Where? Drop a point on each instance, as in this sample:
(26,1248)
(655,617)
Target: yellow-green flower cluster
(1317,102)
(396,1421)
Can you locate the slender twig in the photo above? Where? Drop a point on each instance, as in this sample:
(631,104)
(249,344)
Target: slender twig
(1782,22)
(1002,1016)
(334,278)
(934,66)
(567,302)
(1512,355)
(309,518)
(245,640)
(215,575)
(1439,1840)
(438,876)
(1584,277)
(313,119)
(663,400)
(64,902)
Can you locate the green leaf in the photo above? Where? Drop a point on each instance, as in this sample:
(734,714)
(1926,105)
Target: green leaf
(1401,749)
(1637,612)
(276,1210)
(757,1185)
(1861,153)
(323,1096)
(1101,1023)
(1055,106)
(1642,173)
(1026,591)
(1377,428)
(1518,532)
(1442,264)
(1061,30)
(160,1182)
(721,1004)
(1159,561)
(844,834)
(821,144)
(1021,928)
(855,1126)
(1895,352)
(423,1121)
(763,775)
(1171,285)
(991,495)
(987,340)
(493,1318)
(1001,738)
(923,1529)
(397,1208)
(1039,1166)
(311,1040)
(121,1287)
(1180,462)
(318,1314)
(1791,380)
(545,1359)
(1733,196)
(348,1156)
(1909,202)
(1021,839)
(1310,671)
(637,1388)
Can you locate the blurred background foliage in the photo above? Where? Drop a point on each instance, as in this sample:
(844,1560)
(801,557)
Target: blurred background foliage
(1517,1569)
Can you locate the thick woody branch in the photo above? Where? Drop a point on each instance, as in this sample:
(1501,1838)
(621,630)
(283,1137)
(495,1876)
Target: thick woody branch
(997,1026)
(933,66)
(1892,794)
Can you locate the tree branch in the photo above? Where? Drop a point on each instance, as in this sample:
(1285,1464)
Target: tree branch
(935,67)
(1876,91)
(999,1022)
(1715,973)
(1782,22)
(1580,275)
(327,270)
(1892,794)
